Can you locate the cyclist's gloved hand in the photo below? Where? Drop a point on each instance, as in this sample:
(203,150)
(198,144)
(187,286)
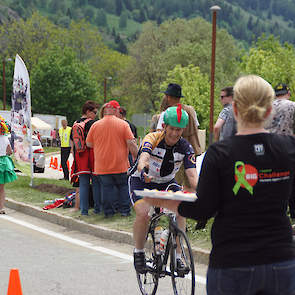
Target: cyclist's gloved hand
(144,175)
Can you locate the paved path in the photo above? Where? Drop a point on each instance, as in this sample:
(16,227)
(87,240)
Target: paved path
(50,172)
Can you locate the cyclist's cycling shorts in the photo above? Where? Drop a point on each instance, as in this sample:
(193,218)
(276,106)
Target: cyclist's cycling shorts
(134,183)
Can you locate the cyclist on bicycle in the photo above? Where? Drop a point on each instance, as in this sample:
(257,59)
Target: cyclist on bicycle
(162,153)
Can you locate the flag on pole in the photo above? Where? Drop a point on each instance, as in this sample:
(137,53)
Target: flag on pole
(21,131)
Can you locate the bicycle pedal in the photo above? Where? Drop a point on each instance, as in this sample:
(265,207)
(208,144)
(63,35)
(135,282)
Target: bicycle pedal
(183,272)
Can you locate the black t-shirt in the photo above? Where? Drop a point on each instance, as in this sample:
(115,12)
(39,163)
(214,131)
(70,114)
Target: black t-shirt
(133,128)
(245,182)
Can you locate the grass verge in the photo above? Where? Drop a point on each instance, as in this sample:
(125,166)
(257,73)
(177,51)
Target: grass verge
(50,149)
(21,191)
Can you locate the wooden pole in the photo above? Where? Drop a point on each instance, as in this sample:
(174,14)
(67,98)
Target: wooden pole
(214,9)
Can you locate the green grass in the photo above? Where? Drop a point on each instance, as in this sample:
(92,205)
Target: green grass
(51,149)
(21,191)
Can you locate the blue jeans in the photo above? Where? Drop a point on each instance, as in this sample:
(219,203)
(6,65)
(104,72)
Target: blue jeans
(84,183)
(266,279)
(115,194)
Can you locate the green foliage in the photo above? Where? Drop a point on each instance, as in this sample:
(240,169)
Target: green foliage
(27,38)
(272,61)
(245,20)
(61,84)
(123,20)
(196,90)
(159,48)
(101,18)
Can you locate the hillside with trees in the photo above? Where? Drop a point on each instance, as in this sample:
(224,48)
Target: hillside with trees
(120,21)
(68,64)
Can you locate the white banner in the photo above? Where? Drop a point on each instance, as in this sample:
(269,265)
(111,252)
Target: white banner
(21,134)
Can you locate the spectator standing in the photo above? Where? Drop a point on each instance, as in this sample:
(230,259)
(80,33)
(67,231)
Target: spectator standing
(133,128)
(283,112)
(225,125)
(101,111)
(65,148)
(245,183)
(112,139)
(156,117)
(7,173)
(122,115)
(190,133)
(53,136)
(57,137)
(282,122)
(83,163)
(173,94)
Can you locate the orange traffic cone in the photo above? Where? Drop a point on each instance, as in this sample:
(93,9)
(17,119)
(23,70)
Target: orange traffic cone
(51,162)
(55,164)
(14,287)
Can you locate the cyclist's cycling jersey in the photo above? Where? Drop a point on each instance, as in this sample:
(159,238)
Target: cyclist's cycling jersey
(165,161)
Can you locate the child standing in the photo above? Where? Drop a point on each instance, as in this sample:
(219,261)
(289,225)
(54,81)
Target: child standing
(7,173)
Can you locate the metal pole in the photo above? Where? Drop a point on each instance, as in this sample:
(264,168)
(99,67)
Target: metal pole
(214,9)
(4,85)
(105,90)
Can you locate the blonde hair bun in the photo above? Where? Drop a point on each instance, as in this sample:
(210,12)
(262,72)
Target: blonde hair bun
(253,97)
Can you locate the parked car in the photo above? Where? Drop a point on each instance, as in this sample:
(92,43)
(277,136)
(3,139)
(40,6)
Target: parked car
(38,155)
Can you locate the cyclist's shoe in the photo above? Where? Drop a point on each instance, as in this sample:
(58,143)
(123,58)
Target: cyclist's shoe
(180,267)
(139,262)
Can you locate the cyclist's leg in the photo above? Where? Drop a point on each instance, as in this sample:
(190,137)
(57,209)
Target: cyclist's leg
(141,208)
(141,223)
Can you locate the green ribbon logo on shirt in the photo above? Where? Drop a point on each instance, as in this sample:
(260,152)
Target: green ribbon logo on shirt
(241,179)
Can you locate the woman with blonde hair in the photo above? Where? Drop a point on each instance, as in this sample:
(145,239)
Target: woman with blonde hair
(7,173)
(245,183)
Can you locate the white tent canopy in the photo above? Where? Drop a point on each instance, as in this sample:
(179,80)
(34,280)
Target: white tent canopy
(39,124)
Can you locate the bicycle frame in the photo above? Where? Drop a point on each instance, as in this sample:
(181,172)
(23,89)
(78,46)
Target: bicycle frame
(162,259)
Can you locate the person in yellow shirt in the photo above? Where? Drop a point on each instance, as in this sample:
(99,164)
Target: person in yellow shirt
(65,147)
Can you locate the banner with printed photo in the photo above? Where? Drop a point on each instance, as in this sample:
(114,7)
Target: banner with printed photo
(21,134)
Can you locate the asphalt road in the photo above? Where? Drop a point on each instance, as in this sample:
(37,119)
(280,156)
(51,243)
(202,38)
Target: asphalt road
(53,260)
(50,172)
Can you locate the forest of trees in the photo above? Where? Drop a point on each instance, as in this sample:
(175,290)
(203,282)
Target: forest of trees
(68,57)
(245,20)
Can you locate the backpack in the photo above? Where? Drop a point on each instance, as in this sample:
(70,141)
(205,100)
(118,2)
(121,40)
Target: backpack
(78,132)
(69,201)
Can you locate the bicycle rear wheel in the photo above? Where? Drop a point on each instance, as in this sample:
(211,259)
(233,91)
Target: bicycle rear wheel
(183,281)
(148,282)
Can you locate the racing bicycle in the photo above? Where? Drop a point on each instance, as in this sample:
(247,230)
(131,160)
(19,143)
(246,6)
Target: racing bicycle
(162,265)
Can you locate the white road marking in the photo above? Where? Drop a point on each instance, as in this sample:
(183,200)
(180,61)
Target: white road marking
(199,279)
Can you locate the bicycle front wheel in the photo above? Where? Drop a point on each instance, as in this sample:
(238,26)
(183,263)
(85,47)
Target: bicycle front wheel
(183,279)
(148,282)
